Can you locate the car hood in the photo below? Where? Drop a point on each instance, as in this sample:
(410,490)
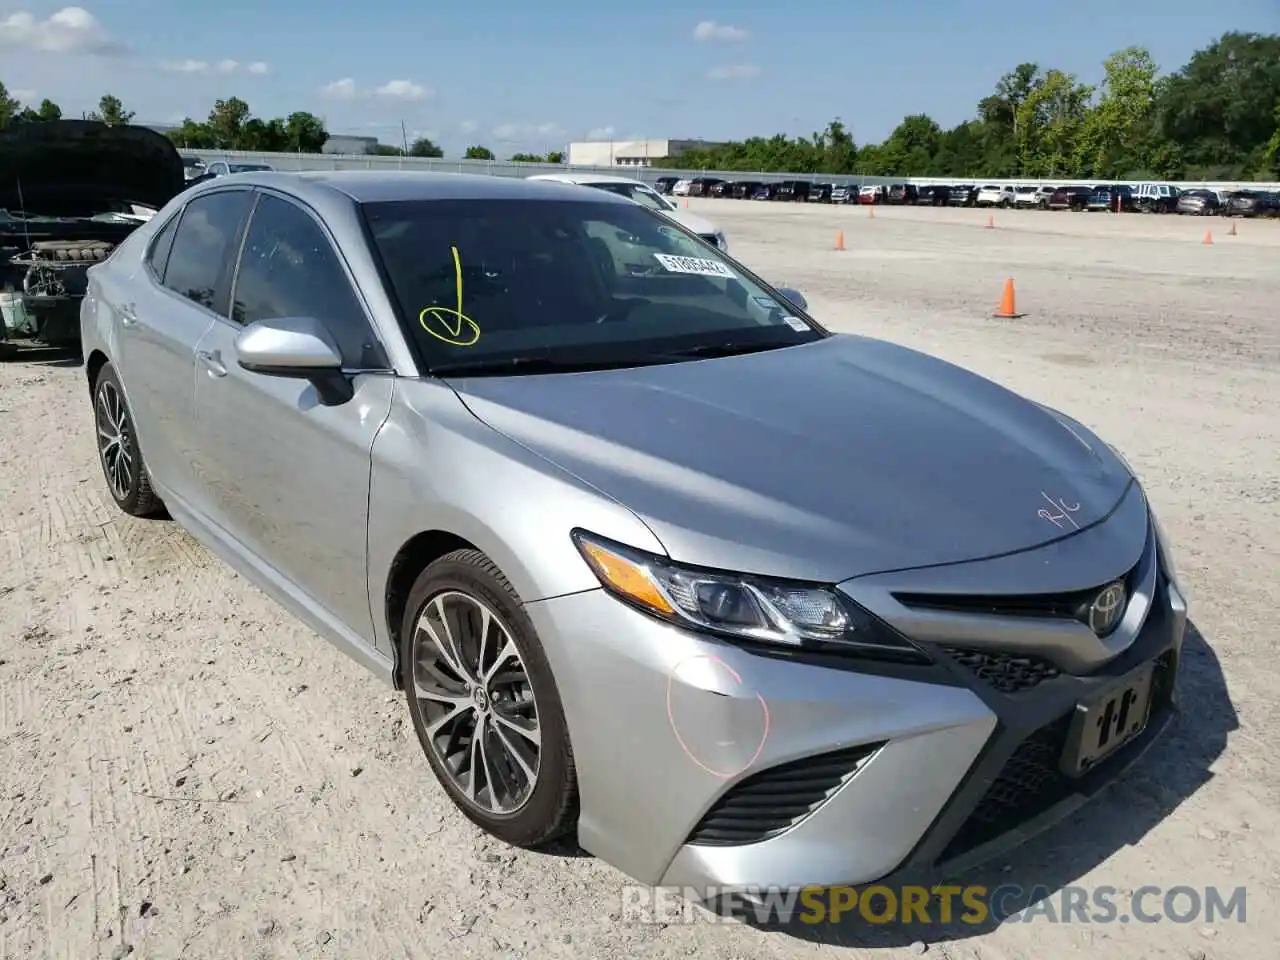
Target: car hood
(82,163)
(838,458)
(691,221)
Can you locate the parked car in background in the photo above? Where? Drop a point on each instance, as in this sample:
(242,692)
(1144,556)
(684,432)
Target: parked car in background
(935,195)
(192,167)
(680,188)
(792,190)
(994,195)
(222,168)
(765,191)
(962,195)
(71,191)
(871,194)
(1117,199)
(1156,197)
(1036,197)
(901,194)
(745,189)
(1198,203)
(844,193)
(646,196)
(1248,203)
(663,185)
(1070,198)
(721,189)
(702,186)
(524,486)
(820,192)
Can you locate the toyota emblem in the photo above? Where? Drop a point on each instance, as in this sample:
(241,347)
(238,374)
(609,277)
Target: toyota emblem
(1107,609)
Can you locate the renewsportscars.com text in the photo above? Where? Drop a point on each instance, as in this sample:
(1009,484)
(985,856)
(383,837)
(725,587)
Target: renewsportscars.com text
(972,905)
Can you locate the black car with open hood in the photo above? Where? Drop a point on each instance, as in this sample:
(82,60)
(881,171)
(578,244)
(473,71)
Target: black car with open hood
(70,190)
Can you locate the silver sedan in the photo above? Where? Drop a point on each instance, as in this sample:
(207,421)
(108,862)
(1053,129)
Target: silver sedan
(650,552)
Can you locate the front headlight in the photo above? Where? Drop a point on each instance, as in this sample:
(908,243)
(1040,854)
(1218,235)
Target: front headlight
(742,607)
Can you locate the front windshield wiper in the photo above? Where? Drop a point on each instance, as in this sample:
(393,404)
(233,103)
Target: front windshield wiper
(520,365)
(725,349)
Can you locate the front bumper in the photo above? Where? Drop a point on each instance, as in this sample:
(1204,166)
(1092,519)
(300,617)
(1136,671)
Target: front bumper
(702,765)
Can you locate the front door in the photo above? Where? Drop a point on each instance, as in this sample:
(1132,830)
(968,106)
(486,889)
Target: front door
(289,477)
(188,268)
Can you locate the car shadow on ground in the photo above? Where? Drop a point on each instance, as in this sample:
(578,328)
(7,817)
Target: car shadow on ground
(1174,768)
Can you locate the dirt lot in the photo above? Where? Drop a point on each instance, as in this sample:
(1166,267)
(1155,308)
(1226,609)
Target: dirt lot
(188,772)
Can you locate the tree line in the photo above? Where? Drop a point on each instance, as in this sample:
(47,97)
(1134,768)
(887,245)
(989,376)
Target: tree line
(1216,118)
(231,125)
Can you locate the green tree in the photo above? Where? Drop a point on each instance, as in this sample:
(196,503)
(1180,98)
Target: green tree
(386,150)
(48,110)
(555,156)
(526,158)
(1116,137)
(111,111)
(1049,123)
(478,153)
(9,107)
(227,121)
(422,147)
(304,132)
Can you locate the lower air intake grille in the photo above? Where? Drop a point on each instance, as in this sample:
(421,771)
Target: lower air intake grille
(1005,672)
(767,803)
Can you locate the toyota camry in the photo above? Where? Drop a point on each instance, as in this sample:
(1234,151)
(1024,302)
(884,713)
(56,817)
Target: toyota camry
(652,554)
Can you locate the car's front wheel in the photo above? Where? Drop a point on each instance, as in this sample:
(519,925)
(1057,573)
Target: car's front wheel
(484,702)
(118,449)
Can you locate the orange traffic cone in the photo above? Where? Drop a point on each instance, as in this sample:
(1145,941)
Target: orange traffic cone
(991,222)
(1008,309)
(1208,237)
(1232,231)
(839,239)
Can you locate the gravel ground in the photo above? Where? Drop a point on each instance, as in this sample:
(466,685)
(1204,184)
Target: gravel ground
(188,772)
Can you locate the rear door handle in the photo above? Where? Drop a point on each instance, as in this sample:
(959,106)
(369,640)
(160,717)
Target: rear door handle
(128,314)
(213,362)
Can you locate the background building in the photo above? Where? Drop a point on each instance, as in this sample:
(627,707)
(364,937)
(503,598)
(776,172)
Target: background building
(630,153)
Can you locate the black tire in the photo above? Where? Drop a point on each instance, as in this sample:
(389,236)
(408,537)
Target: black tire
(551,808)
(133,494)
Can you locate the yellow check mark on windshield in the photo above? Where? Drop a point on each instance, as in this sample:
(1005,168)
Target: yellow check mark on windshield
(454,320)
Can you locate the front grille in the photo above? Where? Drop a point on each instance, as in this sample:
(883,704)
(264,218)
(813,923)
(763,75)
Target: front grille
(1006,672)
(767,803)
(1031,782)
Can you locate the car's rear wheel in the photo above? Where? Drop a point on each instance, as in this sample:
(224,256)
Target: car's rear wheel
(484,702)
(118,450)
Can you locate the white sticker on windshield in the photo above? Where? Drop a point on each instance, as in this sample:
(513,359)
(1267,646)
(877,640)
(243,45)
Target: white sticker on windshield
(766,303)
(693,265)
(795,323)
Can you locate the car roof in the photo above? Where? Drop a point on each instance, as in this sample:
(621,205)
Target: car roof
(376,186)
(586,178)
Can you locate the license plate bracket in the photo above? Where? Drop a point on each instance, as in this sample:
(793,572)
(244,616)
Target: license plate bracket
(1104,724)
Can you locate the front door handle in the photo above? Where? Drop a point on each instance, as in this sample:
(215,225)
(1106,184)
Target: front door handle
(213,362)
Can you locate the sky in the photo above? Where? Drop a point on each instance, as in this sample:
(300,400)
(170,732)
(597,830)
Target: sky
(532,77)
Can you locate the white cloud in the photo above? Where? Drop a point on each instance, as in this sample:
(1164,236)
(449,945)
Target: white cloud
(736,71)
(468,126)
(404,90)
(259,67)
(228,66)
(70,30)
(344,89)
(710,30)
(184,66)
(522,132)
(602,133)
(23,96)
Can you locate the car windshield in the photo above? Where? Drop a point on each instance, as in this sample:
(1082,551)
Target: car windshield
(248,167)
(525,285)
(633,191)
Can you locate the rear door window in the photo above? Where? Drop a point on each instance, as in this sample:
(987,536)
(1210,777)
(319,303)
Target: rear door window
(204,247)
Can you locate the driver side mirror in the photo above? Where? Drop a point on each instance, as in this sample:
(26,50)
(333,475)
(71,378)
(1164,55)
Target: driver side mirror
(299,348)
(795,298)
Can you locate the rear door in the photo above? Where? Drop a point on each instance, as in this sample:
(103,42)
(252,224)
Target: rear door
(288,476)
(185,283)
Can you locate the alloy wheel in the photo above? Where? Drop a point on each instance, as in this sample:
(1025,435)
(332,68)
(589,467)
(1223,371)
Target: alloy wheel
(477,704)
(114,439)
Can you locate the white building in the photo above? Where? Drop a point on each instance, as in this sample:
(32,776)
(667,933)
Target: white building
(630,153)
